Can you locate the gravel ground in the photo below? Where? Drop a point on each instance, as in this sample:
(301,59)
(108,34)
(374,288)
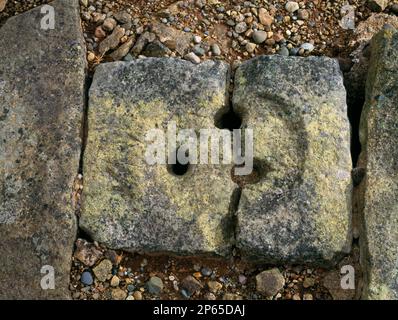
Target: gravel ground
(225,29)
(102,274)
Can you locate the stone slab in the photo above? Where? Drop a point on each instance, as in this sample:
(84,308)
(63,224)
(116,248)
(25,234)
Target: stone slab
(131,204)
(297,209)
(42,79)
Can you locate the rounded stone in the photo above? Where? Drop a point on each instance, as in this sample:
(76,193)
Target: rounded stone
(137,295)
(292,6)
(154,285)
(241,27)
(270,282)
(115,281)
(303,14)
(283,51)
(259,36)
(215,48)
(87,278)
(119,294)
(109,24)
(250,47)
(307,46)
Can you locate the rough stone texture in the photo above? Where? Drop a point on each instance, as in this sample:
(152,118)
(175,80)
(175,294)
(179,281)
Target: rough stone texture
(355,79)
(131,204)
(42,75)
(298,208)
(166,33)
(270,282)
(2,5)
(379,139)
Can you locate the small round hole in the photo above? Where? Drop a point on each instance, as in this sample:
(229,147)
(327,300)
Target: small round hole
(179,169)
(228,120)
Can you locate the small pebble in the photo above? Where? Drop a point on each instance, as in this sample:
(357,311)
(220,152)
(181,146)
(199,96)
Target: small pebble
(197,39)
(154,285)
(206,272)
(215,49)
(292,6)
(90,56)
(283,51)
(87,278)
(109,24)
(307,46)
(308,282)
(242,279)
(250,47)
(259,36)
(296,296)
(118,294)
(308,296)
(137,295)
(130,288)
(192,57)
(115,281)
(241,27)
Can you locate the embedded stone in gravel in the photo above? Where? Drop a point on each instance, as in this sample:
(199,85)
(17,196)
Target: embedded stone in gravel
(215,48)
(87,278)
(259,36)
(111,41)
(132,205)
(103,270)
(292,6)
(42,77)
(296,205)
(191,285)
(123,50)
(265,19)
(214,286)
(241,27)
(123,17)
(379,140)
(86,252)
(119,294)
(270,282)
(192,57)
(154,285)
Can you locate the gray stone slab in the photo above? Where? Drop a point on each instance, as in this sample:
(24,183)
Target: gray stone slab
(131,204)
(379,139)
(42,78)
(296,208)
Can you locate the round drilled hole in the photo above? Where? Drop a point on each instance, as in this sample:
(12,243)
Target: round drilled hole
(178,168)
(259,172)
(228,120)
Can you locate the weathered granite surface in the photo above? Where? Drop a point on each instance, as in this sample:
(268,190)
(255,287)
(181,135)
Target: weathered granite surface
(298,208)
(42,78)
(379,139)
(131,204)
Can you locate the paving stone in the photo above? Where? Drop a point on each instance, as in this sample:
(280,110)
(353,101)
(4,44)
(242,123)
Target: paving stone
(296,205)
(42,78)
(379,140)
(140,207)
